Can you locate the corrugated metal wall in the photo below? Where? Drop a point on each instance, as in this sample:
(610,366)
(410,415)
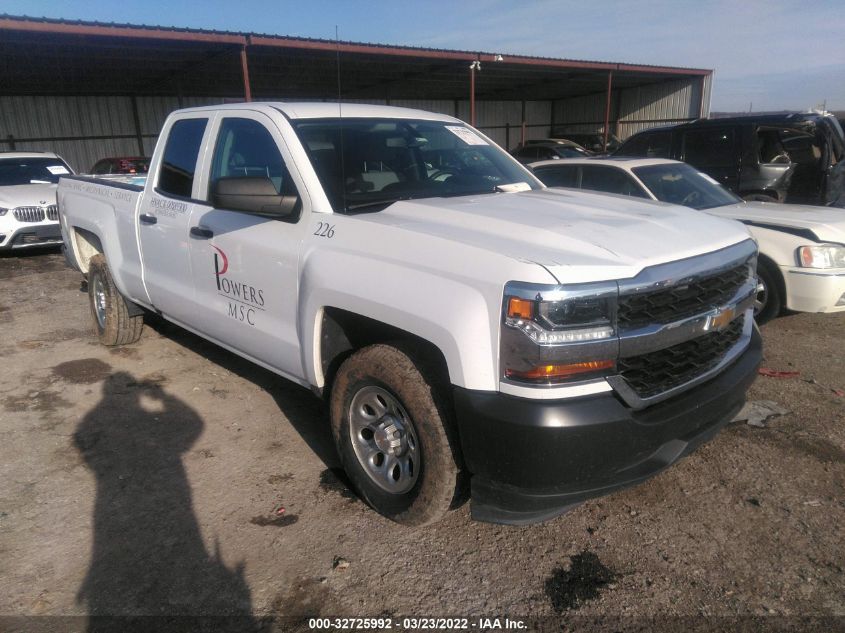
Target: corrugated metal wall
(658,104)
(635,109)
(85,129)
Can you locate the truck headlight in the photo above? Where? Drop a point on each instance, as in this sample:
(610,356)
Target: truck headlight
(555,334)
(822,256)
(566,321)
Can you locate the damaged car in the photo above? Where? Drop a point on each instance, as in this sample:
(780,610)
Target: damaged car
(795,158)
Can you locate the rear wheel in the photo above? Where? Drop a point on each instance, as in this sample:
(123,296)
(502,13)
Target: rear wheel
(392,428)
(112,321)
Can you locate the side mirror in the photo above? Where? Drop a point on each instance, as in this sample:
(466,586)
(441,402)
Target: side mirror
(252,195)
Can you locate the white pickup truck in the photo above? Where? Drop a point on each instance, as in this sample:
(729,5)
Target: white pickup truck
(464,323)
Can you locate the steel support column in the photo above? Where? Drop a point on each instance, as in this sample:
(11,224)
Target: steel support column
(245,72)
(472,68)
(607,107)
(137,119)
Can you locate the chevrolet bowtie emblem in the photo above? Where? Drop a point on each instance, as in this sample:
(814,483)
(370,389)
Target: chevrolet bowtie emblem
(720,320)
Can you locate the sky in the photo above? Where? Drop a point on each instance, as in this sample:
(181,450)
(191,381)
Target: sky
(767,55)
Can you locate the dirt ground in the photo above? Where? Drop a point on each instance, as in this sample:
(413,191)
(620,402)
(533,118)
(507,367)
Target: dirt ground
(147,480)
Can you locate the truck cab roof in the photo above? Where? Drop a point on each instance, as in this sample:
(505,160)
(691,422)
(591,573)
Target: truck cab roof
(329,110)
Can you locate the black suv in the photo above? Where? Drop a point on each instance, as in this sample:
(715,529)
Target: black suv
(775,158)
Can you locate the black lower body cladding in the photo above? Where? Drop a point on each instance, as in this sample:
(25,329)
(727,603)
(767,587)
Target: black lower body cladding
(35,235)
(531,460)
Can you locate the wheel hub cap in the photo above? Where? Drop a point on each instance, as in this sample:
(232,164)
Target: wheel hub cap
(99,302)
(390,436)
(384,440)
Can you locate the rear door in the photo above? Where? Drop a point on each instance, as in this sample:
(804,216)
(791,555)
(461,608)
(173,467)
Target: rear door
(715,151)
(164,218)
(245,266)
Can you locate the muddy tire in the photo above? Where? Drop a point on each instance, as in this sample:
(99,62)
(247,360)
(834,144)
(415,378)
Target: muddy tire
(770,297)
(391,421)
(109,311)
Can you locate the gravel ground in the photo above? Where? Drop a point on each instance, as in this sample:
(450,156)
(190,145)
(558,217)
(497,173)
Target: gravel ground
(147,480)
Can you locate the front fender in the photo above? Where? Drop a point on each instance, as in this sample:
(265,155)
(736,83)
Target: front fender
(459,319)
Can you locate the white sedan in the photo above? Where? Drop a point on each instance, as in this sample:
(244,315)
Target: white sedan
(28,213)
(802,248)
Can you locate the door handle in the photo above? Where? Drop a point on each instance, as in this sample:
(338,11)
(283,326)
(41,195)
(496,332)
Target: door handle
(201,233)
(146,218)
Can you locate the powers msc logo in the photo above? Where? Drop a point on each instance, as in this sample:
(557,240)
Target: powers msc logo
(243,299)
(221,264)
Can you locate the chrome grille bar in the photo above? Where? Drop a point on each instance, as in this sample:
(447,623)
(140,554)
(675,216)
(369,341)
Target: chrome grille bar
(29,214)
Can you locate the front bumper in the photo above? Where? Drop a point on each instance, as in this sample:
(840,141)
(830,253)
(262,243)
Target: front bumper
(532,460)
(26,235)
(814,290)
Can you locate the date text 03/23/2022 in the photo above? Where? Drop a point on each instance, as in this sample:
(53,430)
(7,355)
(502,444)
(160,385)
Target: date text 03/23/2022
(415,624)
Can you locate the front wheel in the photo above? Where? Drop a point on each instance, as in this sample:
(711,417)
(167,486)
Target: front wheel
(392,428)
(112,321)
(769,300)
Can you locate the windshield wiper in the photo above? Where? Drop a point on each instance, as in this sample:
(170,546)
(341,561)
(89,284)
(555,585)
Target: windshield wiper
(375,203)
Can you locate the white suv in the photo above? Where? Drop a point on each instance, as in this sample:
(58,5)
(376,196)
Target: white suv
(28,212)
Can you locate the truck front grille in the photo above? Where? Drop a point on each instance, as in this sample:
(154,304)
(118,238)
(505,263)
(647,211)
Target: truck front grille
(656,372)
(680,301)
(29,214)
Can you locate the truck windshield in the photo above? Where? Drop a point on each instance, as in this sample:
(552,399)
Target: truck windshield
(679,183)
(371,163)
(31,171)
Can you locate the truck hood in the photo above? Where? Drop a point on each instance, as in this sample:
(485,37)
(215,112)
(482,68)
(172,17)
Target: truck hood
(576,236)
(826,223)
(27,196)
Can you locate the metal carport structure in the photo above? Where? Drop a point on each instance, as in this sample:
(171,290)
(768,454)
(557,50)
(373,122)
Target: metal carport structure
(87,89)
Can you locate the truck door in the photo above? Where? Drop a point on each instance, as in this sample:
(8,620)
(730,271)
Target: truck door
(164,218)
(716,152)
(245,266)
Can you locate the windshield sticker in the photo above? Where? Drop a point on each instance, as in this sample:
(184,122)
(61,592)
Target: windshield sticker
(57,170)
(708,178)
(514,187)
(466,135)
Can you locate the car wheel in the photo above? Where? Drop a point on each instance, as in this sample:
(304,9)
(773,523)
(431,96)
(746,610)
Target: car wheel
(112,321)
(392,427)
(769,300)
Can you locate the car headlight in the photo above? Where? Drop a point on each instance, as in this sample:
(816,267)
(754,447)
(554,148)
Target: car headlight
(556,334)
(3,211)
(822,256)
